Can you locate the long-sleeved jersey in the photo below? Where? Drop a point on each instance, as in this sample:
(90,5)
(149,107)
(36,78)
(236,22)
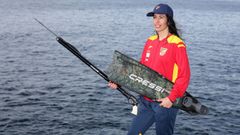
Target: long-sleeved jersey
(169,58)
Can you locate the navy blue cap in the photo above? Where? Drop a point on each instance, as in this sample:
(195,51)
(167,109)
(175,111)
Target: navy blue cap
(161,9)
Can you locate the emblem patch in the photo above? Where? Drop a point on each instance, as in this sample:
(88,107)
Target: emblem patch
(163,51)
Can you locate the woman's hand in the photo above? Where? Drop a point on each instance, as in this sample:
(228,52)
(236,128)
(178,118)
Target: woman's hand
(112,85)
(165,102)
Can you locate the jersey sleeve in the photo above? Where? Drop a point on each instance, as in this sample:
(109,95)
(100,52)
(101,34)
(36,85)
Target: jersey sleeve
(182,80)
(143,56)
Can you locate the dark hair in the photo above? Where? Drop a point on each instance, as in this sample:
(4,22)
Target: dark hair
(172,26)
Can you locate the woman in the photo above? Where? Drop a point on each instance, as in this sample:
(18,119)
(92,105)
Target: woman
(165,53)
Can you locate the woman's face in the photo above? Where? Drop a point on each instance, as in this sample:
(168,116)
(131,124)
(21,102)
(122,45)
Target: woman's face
(160,22)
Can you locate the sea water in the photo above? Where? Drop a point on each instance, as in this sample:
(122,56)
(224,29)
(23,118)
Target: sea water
(45,90)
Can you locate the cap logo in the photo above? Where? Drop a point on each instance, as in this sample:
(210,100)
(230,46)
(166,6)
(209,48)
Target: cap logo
(157,7)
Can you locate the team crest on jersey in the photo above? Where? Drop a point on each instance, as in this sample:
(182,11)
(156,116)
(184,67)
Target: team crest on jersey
(163,51)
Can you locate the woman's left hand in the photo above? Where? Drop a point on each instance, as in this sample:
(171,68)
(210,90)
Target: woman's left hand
(165,102)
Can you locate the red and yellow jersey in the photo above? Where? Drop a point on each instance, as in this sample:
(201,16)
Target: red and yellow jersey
(169,58)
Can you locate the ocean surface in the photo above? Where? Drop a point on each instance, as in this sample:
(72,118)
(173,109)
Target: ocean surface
(45,90)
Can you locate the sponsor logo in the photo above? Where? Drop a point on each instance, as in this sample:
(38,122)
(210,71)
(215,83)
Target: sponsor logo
(147,83)
(148,54)
(163,51)
(149,47)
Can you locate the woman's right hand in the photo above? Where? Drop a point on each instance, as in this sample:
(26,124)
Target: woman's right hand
(112,85)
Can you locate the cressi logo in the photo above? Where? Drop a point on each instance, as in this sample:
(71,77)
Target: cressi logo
(147,83)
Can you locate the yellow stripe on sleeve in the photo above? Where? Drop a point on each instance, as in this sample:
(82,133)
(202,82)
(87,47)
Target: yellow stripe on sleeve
(175,73)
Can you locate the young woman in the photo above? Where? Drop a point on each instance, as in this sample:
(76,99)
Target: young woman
(165,53)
